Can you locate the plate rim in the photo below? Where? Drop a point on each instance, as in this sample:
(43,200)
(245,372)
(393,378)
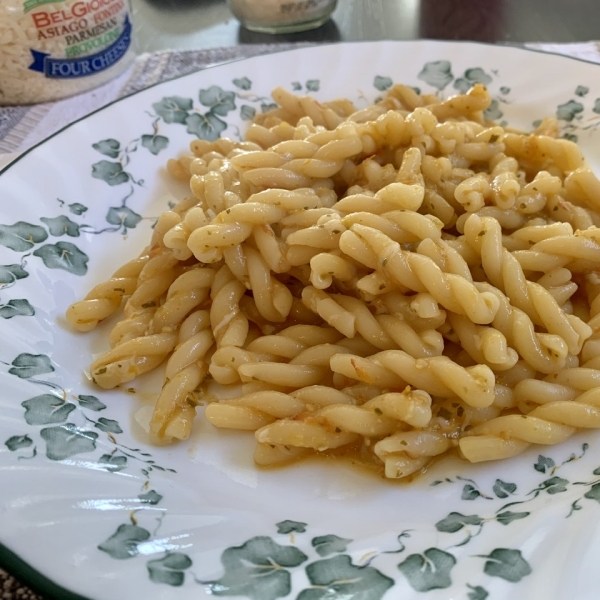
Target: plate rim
(28,575)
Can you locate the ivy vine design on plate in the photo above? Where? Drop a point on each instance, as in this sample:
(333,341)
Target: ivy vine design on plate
(115,172)
(261,568)
(66,425)
(311,85)
(33,241)
(439,75)
(580,113)
(205,120)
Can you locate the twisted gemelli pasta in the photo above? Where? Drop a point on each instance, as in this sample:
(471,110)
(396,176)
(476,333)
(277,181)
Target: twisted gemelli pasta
(174,411)
(419,273)
(105,298)
(132,358)
(505,272)
(395,282)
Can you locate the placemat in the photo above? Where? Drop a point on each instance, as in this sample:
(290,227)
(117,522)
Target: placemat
(24,126)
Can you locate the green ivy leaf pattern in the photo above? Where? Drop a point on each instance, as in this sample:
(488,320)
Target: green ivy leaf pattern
(108,425)
(569,110)
(507,563)
(65,256)
(169,569)
(151,497)
(502,489)
(62,225)
(470,492)
(22,236)
(493,112)
(124,542)
(296,86)
(205,127)
(262,569)
(257,569)
(543,464)
(155,143)
(64,441)
(112,463)
(247,112)
(584,449)
(110,172)
(504,90)
(462,85)
(18,307)
(329,544)
(218,100)
(313,85)
(173,109)
(29,365)
(477,593)
(290,527)
(507,517)
(123,216)
(46,409)
(555,485)
(455,521)
(77,209)
(593,493)
(581,90)
(338,577)
(267,106)
(11,273)
(16,442)
(428,571)
(91,403)
(596,108)
(382,83)
(108,147)
(477,75)
(437,74)
(243,83)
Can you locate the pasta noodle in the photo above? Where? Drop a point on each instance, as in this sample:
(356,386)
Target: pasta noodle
(397,281)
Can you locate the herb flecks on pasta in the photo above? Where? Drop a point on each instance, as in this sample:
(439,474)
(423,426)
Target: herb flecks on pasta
(401,280)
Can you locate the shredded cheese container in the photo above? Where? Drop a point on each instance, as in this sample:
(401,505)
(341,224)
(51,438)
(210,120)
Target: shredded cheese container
(50,49)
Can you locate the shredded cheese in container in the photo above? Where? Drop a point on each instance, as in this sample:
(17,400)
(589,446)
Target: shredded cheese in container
(50,49)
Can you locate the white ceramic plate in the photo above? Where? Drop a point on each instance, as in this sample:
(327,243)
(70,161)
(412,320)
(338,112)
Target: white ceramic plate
(89,510)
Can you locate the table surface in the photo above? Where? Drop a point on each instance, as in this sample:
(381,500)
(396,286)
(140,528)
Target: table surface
(194,24)
(199,24)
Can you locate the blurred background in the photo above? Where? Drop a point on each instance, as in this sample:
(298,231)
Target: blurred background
(196,24)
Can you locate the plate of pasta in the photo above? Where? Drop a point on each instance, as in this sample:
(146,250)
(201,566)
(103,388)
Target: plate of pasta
(321,324)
